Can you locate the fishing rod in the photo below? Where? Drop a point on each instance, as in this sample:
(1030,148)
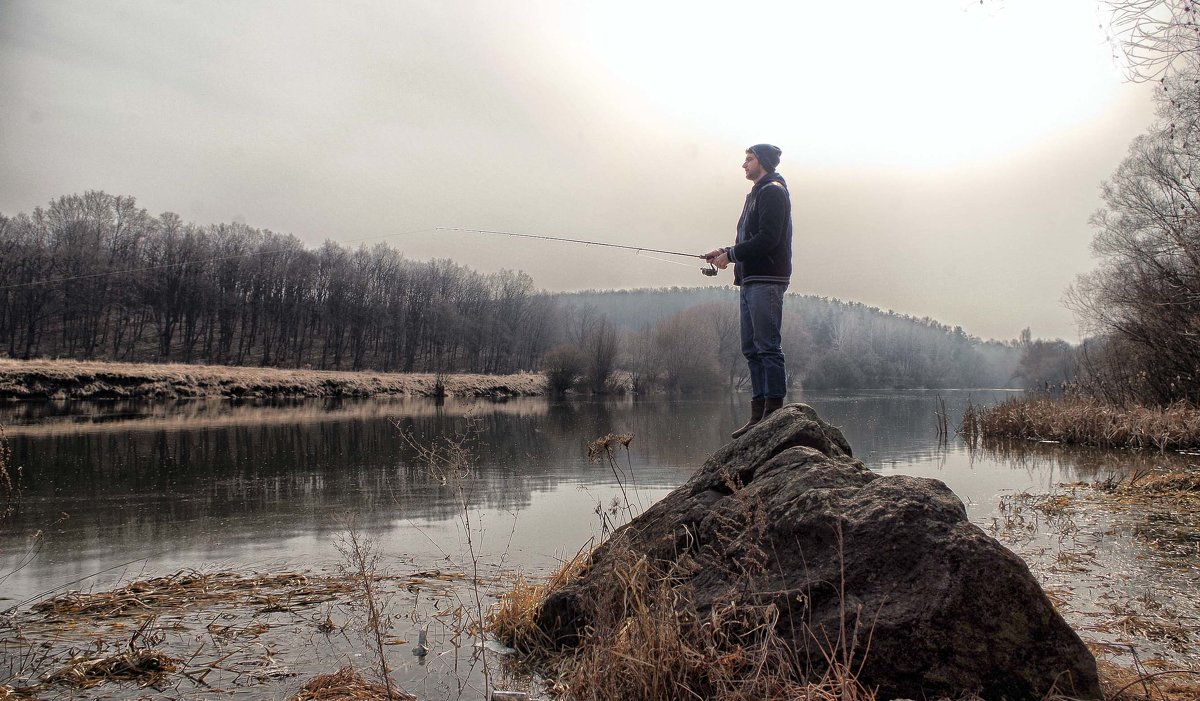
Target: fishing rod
(711,270)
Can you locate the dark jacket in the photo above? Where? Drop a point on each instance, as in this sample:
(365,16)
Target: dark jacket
(763,252)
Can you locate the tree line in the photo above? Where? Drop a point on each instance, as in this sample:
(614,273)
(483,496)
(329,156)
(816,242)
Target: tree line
(93,276)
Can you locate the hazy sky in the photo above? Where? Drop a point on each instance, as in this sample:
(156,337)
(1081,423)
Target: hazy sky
(943,155)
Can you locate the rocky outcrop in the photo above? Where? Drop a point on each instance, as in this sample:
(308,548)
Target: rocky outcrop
(886,570)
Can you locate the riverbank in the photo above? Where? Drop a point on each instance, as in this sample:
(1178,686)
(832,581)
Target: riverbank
(1098,548)
(1086,421)
(73,379)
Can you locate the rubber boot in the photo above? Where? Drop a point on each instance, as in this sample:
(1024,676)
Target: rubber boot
(771,405)
(756,413)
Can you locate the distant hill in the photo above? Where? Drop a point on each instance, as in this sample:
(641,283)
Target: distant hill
(829,342)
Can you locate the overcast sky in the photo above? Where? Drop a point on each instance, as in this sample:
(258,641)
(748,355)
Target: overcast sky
(943,155)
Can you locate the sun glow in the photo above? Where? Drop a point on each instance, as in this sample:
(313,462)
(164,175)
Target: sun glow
(897,84)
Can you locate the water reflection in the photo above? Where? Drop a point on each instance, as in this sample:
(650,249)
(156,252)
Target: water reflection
(188,483)
(1082,463)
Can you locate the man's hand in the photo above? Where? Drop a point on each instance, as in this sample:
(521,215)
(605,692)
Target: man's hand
(718,257)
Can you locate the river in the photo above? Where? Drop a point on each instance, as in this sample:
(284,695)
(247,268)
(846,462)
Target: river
(123,490)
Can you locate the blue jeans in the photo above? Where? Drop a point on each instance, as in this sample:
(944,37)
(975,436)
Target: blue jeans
(762,344)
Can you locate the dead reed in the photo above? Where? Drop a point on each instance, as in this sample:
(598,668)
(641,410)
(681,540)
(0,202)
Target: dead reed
(1085,421)
(450,462)
(1157,508)
(1163,509)
(1122,683)
(143,667)
(347,685)
(360,556)
(284,591)
(605,449)
(512,620)
(220,630)
(968,427)
(943,422)
(10,480)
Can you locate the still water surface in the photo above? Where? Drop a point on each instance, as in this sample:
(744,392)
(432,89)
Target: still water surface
(118,490)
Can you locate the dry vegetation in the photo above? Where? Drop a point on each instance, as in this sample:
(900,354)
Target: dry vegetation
(347,685)
(192,588)
(1084,421)
(69,379)
(142,667)
(1144,642)
(199,635)
(10,480)
(1122,683)
(648,640)
(1166,508)
(512,619)
(650,643)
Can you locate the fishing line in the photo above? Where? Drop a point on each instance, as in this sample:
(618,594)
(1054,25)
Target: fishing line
(710,270)
(640,254)
(559,238)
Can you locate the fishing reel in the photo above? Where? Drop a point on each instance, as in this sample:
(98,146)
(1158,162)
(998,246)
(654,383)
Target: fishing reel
(710,271)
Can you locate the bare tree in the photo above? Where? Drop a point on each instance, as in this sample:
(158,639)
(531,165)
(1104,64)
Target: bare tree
(686,344)
(1155,36)
(564,366)
(596,336)
(1146,293)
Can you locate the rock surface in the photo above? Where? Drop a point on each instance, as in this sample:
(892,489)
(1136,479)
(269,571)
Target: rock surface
(889,566)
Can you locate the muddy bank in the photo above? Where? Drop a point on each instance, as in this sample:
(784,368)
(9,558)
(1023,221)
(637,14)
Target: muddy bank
(70,379)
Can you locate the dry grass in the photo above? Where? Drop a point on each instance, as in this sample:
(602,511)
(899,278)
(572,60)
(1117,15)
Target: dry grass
(1175,484)
(648,642)
(71,379)
(513,618)
(221,631)
(1082,421)
(1163,508)
(269,592)
(347,685)
(143,667)
(1161,624)
(1022,515)
(1120,683)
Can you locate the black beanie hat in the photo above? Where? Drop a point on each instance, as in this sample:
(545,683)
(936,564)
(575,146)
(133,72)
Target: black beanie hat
(767,155)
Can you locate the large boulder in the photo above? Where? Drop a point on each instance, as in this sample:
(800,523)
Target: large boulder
(886,572)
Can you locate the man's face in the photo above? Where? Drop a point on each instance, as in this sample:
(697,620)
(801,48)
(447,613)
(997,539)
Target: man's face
(753,168)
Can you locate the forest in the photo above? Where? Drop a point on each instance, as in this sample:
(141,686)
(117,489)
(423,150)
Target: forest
(93,276)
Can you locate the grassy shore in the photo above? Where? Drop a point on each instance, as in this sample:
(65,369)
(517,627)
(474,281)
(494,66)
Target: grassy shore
(1083,421)
(72,379)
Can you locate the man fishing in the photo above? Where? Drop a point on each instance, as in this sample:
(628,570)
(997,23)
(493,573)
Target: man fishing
(762,267)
